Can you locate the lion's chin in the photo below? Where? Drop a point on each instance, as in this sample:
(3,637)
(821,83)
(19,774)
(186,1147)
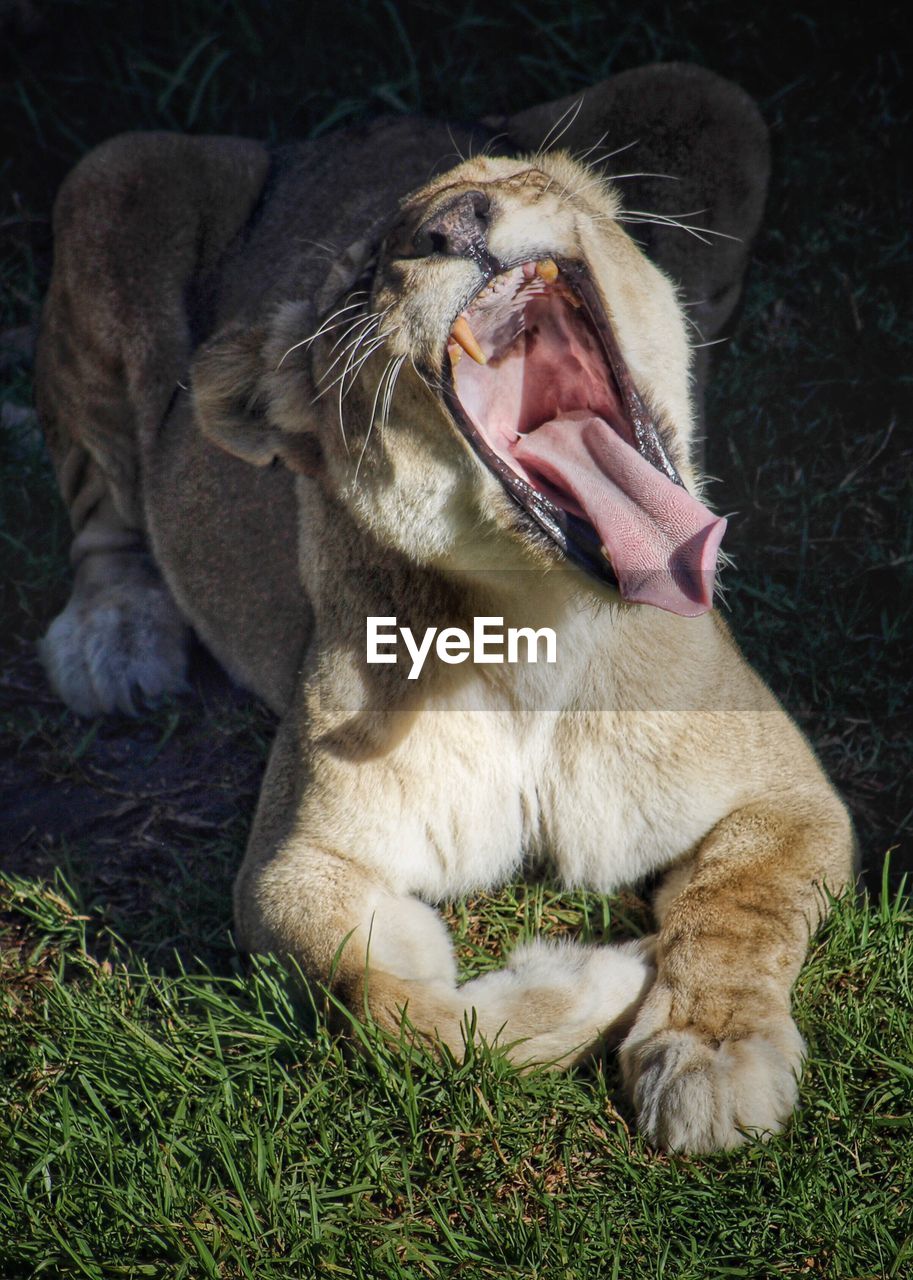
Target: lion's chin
(534,379)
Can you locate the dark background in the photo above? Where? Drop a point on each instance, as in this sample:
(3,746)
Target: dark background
(809,413)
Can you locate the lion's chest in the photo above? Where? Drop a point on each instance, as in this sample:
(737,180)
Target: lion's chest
(620,800)
(600,799)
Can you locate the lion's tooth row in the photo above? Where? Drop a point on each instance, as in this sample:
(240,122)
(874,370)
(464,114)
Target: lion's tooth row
(464,337)
(546,269)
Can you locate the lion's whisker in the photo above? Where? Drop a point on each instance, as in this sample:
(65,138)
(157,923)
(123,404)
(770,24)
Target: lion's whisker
(356,359)
(618,150)
(329,250)
(347,367)
(649,213)
(456,147)
(388,395)
(485,149)
(324,328)
(344,341)
(581,156)
(638,216)
(354,323)
(433,384)
(394,361)
(351,305)
(366,324)
(364,447)
(595,180)
(353,367)
(617,177)
(343,356)
(694,324)
(376,341)
(656,222)
(548,142)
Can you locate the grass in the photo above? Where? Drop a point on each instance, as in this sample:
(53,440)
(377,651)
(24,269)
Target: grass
(203,1124)
(165,1113)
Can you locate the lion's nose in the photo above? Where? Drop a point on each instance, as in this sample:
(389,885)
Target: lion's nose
(456,228)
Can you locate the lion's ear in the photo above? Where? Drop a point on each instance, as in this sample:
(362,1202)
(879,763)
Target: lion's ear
(231,399)
(682,140)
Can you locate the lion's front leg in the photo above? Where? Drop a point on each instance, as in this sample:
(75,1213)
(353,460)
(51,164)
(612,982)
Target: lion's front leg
(714,1055)
(331,880)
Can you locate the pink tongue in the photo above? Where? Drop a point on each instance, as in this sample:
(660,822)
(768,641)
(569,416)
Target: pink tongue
(662,543)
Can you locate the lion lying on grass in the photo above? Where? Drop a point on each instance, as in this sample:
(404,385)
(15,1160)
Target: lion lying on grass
(350,391)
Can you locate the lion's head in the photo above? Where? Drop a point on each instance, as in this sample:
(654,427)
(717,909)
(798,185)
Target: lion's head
(502,380)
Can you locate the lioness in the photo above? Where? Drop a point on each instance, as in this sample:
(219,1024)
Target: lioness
(484,395)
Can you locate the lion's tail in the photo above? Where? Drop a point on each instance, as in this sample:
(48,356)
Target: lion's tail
(551,1004)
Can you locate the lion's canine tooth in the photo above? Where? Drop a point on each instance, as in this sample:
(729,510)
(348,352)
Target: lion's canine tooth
(547,269)
(604,552)
(464,336)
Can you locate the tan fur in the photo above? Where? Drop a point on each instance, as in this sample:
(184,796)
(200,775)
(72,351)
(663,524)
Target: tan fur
(649,747)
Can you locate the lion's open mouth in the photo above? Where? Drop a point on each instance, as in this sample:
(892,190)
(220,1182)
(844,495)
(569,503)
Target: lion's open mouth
(538,386)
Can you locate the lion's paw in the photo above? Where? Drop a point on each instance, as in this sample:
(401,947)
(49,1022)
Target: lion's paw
(116,646)
(696,1094)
